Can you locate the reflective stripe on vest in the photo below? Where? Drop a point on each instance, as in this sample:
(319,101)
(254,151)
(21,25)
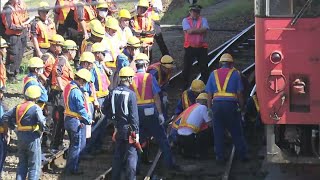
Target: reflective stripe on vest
(256,103)
(141,97)
(103,82)
(185,117)
(85,46)
(15,19)
(111,64)
(67,110)
(43,39)
(91,15)
(156,66)
(194,40)
(2,129)
(176,122)
(26,80)
(222,92)
(65,9)
(21,110)
(185,100)
(67,73)
(145,26)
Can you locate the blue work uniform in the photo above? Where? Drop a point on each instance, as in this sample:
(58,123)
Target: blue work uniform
(123,59)
(3,143)
(36,81)
(226,111)
(29,145)
(121,105)
(76,117)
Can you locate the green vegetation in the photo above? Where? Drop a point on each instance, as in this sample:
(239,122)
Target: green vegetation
(237,8)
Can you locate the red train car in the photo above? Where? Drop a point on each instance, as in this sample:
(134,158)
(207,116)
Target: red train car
(287,57)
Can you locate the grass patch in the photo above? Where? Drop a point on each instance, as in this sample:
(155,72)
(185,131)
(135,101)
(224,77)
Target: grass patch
(237,8)
(176,16)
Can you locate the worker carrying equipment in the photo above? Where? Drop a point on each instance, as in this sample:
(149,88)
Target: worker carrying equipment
(124,112)
(29,121)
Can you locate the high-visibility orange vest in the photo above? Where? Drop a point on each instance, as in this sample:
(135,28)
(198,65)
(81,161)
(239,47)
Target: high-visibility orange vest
(49,63)
(222,92)
(67,110)
(67,74)
(15,19)
(89,14)
(161,80)
(46,33)
(144,23)
(103,82)
(185,100)
(63,11)
(22,10)
(27,79)
(194,40)
(21,110)
(184,117)
(143,90)
(3,74)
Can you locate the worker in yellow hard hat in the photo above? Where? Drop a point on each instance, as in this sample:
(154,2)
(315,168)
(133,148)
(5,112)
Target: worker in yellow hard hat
(42,30)
(122,101)
(97,34)
(103,12)
(225,90)
(3,56)
(124,31)
(29,122)
(76,115)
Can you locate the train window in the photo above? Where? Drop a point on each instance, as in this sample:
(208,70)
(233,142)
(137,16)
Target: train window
(279,8)
(312,9)
(260,7)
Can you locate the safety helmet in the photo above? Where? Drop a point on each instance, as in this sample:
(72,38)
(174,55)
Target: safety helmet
(57,39)
(33,92)
(226,57)
(203,96)
(126,72)
(87,57)
(141,58)
(124,13)
(98,47)
(96,28)
(167,61)
(133,41)
(102,4)
(69,45)
(195,7)
(43,6)
(197,86)
(112,23)
(3,43)
(143,3)
(35,62)
(84,74)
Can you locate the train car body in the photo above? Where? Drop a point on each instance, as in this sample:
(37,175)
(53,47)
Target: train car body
(287,57)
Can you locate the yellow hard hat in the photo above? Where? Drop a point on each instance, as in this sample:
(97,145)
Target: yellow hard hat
(133,41)
(203,96)
(142,56)
(102,4)
(97,29)
(44,6)
(33,92)
(226,57)
(70,45)
(112,23)
(197,86)
(3,43)
(143,3)
(35,62)
(84,74)
(126,72)
(124,13)
(98,47)
(57,39)
(87,57)
(167,61)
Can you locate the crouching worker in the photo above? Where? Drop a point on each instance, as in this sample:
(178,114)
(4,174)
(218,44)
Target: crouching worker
(193,132)
(121,106)
(76,117)
(28,120)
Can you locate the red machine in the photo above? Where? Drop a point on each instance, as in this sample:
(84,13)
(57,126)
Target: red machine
(288,78)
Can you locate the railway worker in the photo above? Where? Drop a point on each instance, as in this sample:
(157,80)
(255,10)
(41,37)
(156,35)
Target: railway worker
(14,33)
(28,120)
(193,131)
(3,56)
(62,74)
(97,34)
(162,72)
(142,26)
(102,11)
(124,31)
(61,11)
(76,117)
(149,107)
(121,106)
(111,41)
(225,98)
(4,133)
(42,29)
(83,14)
(195,28)
(188,98)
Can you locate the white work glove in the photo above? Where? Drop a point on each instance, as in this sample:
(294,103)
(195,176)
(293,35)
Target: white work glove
(165,100)
(161,119)
(137,138)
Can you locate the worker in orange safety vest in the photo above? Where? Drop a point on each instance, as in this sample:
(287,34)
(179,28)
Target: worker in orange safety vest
(195,28)
(3,55)
(61,11)
(193,131)
(42,29)
(97,35)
